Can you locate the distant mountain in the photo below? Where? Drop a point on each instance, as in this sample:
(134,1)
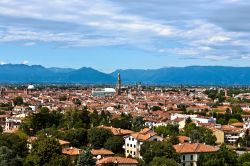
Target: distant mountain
(192,75)
(19,73)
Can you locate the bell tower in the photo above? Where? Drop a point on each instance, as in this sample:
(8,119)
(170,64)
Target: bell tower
(119,84)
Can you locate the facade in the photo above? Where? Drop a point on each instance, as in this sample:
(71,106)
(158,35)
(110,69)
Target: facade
(189,152)
(102,92)
(231,133)
(219,134)
(134,141)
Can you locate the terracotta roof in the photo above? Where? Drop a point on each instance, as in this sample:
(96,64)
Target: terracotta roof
(96,152)
(194,148)
(143,137)
(116,131)
(119,160)
(145,130)
(183,139)
(238,124)
(62,142)
(71,151)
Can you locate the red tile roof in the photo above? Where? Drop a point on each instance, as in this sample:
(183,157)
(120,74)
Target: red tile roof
(194,148)
(118,160)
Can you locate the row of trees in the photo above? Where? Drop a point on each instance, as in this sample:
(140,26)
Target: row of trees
(74,119)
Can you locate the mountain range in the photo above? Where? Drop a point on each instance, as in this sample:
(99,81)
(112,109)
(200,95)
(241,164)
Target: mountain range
(192,75)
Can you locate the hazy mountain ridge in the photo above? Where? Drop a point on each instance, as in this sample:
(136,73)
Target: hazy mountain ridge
(193,75)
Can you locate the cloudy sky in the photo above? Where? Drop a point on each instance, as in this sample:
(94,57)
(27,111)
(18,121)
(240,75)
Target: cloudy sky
(121,34)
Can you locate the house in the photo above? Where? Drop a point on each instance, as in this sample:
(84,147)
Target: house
(117,131)
(101,153)
(190,152)
(219,134)
(183,139)
(72,152)
(120,161)
(134,141)
(231,133)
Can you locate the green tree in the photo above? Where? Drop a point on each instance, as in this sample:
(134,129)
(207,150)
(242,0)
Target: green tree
(169,130)
(151,149)
(86,159)
(45,150)
(98,137)
(232,121)
(9,158)
(244,158)
(137,123)
(115,144)
(15,143)
(18,101)
(163,161)
(199,134)
(155,108)
(74,118)
(223,156)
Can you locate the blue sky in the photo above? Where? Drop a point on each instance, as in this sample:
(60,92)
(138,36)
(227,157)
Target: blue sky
(112,34)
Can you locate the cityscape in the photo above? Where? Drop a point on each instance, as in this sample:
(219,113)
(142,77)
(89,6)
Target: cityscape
(124,83)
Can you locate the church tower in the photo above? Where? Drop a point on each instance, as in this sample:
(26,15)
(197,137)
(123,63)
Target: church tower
(119,84)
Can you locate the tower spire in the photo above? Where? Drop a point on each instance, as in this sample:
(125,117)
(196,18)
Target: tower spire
(119,83)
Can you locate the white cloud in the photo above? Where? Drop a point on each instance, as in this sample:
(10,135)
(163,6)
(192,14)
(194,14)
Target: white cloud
(29,44)
(25,62)
(83,23)
(2,63)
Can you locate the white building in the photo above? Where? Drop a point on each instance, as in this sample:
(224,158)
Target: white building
(102,92)
(134,141)
(189,152)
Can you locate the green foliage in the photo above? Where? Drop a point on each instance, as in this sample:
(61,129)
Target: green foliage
(224,118)
(45,151)
(244,159)
(199,134)
(86,159)
(98,137)
(15,143)
(155,108)
(76,137)
(163,161)
(124,122)
(231,121)
(169,130)
(1,129)
(63,98)
(18,101)
(43,119)
(137,123)
(216,94)
(77,102)
(152,149)
(115,144)
(74,118)
(223,156)
(9,158)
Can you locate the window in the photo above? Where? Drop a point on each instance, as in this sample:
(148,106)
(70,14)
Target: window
(129,138)
(191,157)
(183,164)
(183,157)
(127,151)
(127,144)
(134,153)
(191,164)
(134,146)
(130,145)
(133,139)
